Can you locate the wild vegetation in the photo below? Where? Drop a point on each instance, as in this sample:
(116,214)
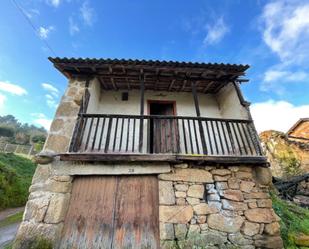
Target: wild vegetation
(294,223)
(15,178)
(12,219)
(14,132)
(287,157)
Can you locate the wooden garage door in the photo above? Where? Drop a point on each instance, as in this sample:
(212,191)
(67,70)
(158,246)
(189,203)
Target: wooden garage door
(112,212)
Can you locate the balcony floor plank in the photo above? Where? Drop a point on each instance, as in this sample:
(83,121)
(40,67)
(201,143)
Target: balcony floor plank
(201,159)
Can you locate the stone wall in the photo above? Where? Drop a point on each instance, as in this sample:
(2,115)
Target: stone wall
(209,206)
(45,210)
(217,207)
(288,157)
(50,193)
(62,127)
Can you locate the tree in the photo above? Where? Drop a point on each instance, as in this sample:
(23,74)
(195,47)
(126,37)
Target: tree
(38,139)
(6,131)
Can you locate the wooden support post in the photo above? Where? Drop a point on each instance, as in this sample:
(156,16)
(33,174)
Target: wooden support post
(77,136)
(198,113)
(252,130)
(141,125)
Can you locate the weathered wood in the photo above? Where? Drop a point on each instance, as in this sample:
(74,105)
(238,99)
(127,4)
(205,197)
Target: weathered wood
(128,134)
(141,127)
(79,126)
(89,215)
(92,157)
(184,136)
(115,134)
(121,134)
(95,134)
(110,121)
(89,133)
(164,135)
(101,136)
(105,212)
(137,213)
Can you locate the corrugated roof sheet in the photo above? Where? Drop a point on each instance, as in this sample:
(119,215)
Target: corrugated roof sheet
(94,61)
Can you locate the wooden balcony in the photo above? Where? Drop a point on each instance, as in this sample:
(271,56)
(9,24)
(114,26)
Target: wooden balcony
(165,138)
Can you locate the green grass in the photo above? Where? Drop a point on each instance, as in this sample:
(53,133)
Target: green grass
(15,178)
(12,219)
(9,246)
(294,221)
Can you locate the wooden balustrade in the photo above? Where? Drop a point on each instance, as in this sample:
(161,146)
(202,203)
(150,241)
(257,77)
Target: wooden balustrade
(153,134)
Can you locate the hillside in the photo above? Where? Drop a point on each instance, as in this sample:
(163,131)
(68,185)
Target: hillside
(12,131)
(15,178)
(287,156)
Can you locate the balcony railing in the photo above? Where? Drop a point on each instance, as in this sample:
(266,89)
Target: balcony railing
(153,134)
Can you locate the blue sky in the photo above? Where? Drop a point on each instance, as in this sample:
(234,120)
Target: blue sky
(271,36)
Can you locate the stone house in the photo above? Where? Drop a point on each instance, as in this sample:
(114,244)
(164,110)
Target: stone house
(150,154)
(300,130)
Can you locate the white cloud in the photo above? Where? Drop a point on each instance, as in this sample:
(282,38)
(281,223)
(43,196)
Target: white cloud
(87,13)
(2,100)
(48,96)
(41,119)
(277,75)
(30,13)
(54,3)
(286,29)
(216,32)
(51,103)
(277,115)
(73,27)
(38,115)
(6,86)
(50,88)
(52,95)
(44,32)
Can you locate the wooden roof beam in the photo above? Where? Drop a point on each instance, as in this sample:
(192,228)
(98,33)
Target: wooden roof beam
(208,86)
(114,84)
(171,85)
(102,83)
(183,85)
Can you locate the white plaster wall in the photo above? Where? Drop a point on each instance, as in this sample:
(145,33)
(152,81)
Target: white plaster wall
(223,105)
(110,102)
(95,92)
(229,104)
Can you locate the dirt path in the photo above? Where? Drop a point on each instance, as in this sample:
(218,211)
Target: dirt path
(8,233)
(7,212)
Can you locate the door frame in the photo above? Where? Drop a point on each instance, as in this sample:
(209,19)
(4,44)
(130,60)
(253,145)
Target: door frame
(173,103)
(153,101)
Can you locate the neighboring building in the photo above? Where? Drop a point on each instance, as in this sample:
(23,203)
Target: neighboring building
(300,130)
(288,153)
(150,153)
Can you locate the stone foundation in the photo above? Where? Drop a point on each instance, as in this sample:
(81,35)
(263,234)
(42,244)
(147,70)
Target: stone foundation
(217,207)
(208,206)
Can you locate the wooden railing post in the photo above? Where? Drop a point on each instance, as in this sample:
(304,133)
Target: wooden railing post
(231,137)
(141,124)
(198,113)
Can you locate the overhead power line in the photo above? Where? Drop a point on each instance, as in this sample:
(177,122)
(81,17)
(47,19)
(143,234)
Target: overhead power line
(32,26)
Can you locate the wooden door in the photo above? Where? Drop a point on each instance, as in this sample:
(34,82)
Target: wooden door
(112,212)
(164,131)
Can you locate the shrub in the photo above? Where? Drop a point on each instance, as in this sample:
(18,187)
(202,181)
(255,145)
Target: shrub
(15,178)
(294,220)
(6,131)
